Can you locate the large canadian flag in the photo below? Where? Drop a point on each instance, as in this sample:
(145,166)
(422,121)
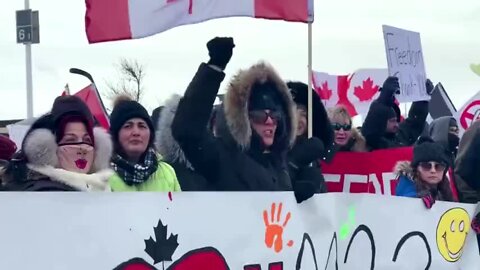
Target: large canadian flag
(108,20)
(355,91)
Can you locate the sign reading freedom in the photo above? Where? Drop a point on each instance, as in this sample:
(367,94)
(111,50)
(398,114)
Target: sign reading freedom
(220,231)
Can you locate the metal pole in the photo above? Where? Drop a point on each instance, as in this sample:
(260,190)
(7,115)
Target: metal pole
(28,62)
(310,78)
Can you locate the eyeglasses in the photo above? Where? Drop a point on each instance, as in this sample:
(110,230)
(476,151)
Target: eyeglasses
(345,127)
(427,166)
(261,116)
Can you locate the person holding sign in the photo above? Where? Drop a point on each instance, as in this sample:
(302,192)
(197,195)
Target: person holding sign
(425,177)
(382,127)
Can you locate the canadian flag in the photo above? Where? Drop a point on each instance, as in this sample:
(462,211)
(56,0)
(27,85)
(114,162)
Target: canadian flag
(355,91)
(92,99)
(108,20)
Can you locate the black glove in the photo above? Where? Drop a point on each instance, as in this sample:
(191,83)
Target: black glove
(306,152)
(429,86)
(307,183)
(220,50)
(390,87)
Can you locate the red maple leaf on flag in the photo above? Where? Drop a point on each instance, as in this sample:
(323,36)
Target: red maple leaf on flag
(366,91)
(324,92)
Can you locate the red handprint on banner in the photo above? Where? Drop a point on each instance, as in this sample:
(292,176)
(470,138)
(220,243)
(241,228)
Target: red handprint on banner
(274,229)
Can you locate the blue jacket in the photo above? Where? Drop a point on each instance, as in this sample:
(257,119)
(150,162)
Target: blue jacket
(406,187)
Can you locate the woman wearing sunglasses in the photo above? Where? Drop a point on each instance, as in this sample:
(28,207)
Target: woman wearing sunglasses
(256,128)
(425,177)
(347,138)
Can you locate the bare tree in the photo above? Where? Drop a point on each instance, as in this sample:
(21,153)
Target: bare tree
(130,83)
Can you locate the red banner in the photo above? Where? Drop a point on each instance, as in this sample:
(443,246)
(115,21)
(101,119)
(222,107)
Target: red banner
(371,172)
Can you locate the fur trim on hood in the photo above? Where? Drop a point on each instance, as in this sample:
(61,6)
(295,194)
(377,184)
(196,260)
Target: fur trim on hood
(237,98)
(404,168)
(40,149)
(167,146)
(360,144)
(83,182)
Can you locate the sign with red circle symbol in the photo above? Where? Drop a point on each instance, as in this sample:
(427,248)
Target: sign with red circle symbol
(470,114)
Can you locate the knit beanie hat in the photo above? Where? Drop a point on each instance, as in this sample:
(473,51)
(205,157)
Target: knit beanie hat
(125,110)
(426,150)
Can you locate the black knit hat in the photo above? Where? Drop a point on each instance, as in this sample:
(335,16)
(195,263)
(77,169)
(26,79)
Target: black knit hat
(126,110)
(426,150)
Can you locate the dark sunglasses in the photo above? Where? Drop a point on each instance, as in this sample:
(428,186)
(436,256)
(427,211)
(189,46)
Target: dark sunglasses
(260,116)
(427,166)
(345,127)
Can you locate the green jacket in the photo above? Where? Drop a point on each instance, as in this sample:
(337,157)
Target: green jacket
(164,179)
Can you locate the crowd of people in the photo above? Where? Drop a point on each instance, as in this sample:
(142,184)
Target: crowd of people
(256,140)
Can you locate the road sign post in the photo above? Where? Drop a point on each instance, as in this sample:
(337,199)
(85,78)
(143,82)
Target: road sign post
(28,33)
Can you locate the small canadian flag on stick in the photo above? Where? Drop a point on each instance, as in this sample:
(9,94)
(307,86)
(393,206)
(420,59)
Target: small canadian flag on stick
(108,20)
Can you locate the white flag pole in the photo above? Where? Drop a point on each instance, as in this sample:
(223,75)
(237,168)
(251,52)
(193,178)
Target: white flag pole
(310,90)
(28,63)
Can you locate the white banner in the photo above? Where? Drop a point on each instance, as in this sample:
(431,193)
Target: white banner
(220,231)
(405,61)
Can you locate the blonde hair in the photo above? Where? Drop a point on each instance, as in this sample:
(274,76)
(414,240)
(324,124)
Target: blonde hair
(339,111)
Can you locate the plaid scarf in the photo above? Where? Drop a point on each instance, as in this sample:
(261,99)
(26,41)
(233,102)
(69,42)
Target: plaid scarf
(136,173)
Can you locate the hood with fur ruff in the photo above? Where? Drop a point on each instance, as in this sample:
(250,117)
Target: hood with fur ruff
(237,99)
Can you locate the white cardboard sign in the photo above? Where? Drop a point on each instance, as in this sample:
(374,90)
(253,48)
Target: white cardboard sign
(405,61)
(220,231)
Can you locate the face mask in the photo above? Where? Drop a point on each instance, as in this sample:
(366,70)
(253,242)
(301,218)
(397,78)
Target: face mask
(76,157)
(453,141)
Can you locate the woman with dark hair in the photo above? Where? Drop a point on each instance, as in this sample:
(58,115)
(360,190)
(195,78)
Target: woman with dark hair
(425,177)
(137,165)
(62,152)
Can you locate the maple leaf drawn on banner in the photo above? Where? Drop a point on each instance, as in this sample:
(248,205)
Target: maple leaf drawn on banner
(324,92)
(366,91)
(161,249)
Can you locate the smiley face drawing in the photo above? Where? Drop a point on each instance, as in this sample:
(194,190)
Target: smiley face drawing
(452,231)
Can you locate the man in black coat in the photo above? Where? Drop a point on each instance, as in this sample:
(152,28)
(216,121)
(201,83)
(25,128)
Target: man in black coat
(249,150)
(382,128)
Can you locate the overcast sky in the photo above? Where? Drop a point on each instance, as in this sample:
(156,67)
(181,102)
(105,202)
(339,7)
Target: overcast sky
(347,36)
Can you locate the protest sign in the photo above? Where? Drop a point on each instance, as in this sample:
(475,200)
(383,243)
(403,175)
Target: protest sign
(469,113)
(220,231)
(405,61)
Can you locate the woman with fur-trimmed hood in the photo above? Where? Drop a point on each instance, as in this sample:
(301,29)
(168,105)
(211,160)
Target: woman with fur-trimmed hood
(62,151)
(249,154)
(172,153)
(425,177)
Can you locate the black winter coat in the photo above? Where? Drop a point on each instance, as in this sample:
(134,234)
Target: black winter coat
(375,124)
(232,161)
